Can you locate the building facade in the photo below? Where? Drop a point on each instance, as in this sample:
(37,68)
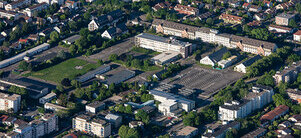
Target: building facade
(288,74)
(10,103)
(284,19)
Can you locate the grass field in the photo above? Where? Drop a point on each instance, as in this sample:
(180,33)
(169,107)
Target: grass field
(63,70)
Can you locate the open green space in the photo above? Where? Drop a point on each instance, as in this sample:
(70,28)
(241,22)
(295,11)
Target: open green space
(66,69)
(144,51)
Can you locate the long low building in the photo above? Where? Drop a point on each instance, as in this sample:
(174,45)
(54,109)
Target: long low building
(91,74)
(9,14)
(162,44)
(21,56)
(120,76)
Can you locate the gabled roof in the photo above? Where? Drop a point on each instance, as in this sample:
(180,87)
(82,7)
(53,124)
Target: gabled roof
(298,32)
(253,42)
(250,61)
(217,55)
(117,30)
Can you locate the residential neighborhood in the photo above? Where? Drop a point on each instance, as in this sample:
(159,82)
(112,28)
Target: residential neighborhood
(150,68)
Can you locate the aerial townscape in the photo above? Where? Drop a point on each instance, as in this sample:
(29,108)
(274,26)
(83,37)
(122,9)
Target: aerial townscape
(150,68)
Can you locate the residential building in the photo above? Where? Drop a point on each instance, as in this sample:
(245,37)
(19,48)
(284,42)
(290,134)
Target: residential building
(295,118)
(120,76)
(274,114)
(297,36)
(47,98)
(10,103)
(136,124)
(17,4)
(72,4)
(9,14)
(24,131)
(289,74)
(188,10)
(171,104)
(115,31)
(92,125)
(221,130)
(161,44)
(267,3)
(234,3)
(259,132)
(35,8)
(254,8)
(256,99)
(284,18)
(242,67)
(162,5)
(45,125)
(114,119)
(2,4)
(70,40)
(228,18)
(259,16)
(294,94)
(187,132)
(106,20)
(280,29)
(227,62)
(50,2)
(95,107)
(253,46)
(100,70)
(215,57)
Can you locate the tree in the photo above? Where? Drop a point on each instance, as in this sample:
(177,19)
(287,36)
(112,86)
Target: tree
(75,84)
(123,130)
(226,55)
(61,54)
(143,116)
(54,36)
(261,33)
(229,134)
(66,82)
(149,17)
(209,21)
(84,32)
(298,7)
(113,57)
(100,62)
(128,109)
(292,23)
(23,65)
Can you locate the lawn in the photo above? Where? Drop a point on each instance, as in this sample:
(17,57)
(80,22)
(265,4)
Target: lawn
(63,70)
(144,51)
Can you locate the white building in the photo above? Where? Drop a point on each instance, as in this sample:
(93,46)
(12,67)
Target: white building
(9,14)
(46,125)
(92,74)
(162,44)
(91,125)
(256,99)
(10,102)
(47,98)
(243,66)
(165,58)
(297,36)
(95,107)
(59,2)
(17,4)
(35,8)
(214,57)
(54,107)
(171,104)
(115,120)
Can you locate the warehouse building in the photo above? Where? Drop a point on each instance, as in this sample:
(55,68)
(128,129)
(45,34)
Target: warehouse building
(92,74)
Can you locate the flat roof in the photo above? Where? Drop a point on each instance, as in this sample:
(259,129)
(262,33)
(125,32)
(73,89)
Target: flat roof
(171,96)
(170,40)
(164,56)
(96,104)
(72,39)
(120,76)
(93,72)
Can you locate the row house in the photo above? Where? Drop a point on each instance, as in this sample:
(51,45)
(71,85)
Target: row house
(188,10)
(105,20)
(17,4)
(228,18)
(92,125)
(220,131)
(256,99)
(280,29)
(50,2)
(274,114)
(35,8)
(9,14)
(288,74)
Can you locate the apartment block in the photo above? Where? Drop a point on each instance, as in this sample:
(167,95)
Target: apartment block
(17,4)
(9,14)
(46,125)
(10,102)
(35,8)
(284,19)
(256,99)
(162,44)
(59,2)
(228,18)
(92,125)
(106,20)
(288,74)
(171,104)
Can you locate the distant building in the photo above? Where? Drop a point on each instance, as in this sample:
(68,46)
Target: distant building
(227,62)
(171,104)
(161,5)
(92,125)
(162,44)
(258,98)
(70,40)
(284,18)
(106,20)
(280,29)
(114,32)
(54,107)
(35,8)
(50,2)
(288,74)
(294,94)
(259,132)
(17,4)
(165,58)
(136,124)
(95,107)
(100,70)
(243,66)
(9,14)
(228,18)
(9,102)
(46,125)
(47,98)
(188,10)
(297,36)
(274,114)
(215,57)
(120,77)
(187,132)
(115,120)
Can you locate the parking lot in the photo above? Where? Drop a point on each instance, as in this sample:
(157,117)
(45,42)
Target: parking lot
(207,81)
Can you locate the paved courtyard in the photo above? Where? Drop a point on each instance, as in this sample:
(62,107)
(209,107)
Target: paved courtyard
(207,81)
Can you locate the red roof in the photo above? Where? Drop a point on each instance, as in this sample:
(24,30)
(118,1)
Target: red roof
(3,118)
(23,40)
(298,32)
(274,113)
(246,4)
